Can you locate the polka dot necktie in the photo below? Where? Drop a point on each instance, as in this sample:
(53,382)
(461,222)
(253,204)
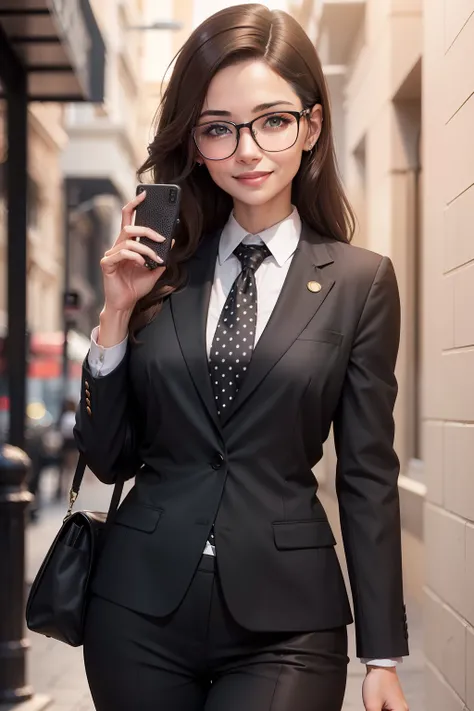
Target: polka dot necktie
(234,338)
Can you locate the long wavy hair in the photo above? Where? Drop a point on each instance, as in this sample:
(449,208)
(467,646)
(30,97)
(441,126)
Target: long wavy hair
(230,36)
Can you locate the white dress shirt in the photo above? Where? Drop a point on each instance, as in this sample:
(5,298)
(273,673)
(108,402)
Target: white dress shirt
(282,240)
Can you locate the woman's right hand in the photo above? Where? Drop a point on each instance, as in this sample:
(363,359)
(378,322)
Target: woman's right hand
(126,279)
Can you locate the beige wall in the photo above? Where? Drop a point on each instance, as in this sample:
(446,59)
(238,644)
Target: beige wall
(46,137)
(406,93)
(448,393)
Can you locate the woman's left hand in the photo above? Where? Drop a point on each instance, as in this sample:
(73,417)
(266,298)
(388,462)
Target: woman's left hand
(382,691)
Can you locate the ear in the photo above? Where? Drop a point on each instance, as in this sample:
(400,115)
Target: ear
(315,124)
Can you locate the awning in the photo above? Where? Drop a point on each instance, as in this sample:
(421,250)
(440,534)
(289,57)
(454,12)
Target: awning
(59,44)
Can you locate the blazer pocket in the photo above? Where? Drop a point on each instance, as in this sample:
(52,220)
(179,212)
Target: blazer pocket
(322,336)
(143,518)
(302,534)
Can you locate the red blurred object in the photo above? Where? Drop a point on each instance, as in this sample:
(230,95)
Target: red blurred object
(45,357)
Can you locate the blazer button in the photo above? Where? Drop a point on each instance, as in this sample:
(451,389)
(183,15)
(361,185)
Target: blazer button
(89,411)
(217,462)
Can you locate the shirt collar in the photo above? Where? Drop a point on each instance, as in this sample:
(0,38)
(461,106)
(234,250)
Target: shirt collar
(281,239)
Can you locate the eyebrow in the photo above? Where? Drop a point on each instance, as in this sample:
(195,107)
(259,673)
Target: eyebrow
(256,109)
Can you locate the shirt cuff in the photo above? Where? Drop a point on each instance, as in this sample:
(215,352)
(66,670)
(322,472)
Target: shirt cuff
(382,662)
(103,361)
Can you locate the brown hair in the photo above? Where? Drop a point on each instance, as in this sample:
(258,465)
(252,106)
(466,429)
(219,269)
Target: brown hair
(232,35)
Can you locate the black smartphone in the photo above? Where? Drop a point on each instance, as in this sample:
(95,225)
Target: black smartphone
(160,211)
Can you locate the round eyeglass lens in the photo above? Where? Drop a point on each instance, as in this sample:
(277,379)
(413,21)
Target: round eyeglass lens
(276,132)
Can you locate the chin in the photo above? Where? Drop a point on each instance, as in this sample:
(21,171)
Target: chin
(255,196)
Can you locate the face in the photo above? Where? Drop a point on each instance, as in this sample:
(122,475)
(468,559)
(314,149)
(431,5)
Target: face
(254,177)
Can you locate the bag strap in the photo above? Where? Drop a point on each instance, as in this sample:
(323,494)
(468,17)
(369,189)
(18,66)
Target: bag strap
(76,485)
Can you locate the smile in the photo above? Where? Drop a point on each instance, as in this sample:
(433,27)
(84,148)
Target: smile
(253,179)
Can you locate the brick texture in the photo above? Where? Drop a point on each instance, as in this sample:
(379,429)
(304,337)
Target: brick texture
(448,260)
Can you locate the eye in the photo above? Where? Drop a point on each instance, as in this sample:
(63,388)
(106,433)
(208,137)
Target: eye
(216,130)
(275,122)
(278,121)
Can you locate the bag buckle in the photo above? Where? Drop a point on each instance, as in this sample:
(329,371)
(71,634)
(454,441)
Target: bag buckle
(72,499)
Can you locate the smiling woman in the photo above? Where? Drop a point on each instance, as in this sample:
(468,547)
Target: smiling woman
(248,61)
(219,588)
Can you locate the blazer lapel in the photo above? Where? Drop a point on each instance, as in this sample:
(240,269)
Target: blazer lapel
(189,308)
(295,307)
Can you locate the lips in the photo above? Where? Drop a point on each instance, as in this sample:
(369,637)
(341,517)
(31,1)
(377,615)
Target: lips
(254,179)
(254,175)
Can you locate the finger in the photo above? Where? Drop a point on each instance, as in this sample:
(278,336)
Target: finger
(129,209)
(139,231)
(135,246)
(123,255)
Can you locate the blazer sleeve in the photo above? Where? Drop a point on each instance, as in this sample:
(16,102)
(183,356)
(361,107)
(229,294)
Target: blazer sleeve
(105,430)
(367,474)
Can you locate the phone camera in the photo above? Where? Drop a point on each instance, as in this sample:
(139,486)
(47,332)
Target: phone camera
(172,195)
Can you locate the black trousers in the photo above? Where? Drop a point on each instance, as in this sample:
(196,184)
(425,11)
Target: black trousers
(200,659)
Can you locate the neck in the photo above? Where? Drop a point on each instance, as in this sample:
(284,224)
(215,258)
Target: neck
(256,218)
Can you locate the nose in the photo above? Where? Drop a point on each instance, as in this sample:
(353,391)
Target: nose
(247,151)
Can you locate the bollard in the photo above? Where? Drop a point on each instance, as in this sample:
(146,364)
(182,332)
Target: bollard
(14,498)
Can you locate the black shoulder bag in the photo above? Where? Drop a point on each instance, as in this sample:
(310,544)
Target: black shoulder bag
(58,598)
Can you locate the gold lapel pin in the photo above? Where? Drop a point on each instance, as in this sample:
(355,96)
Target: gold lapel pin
(314,286)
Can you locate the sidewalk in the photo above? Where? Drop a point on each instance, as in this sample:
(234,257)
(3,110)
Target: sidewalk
(56,669)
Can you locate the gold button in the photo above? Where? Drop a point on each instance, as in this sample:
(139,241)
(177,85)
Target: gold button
(89,411)
(88,402)
(86,383)
(88,393)
(314,286)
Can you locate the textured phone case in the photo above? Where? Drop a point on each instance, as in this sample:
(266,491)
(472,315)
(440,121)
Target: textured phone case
(156,211)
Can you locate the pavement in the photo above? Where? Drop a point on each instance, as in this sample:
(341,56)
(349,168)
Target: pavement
(56,671)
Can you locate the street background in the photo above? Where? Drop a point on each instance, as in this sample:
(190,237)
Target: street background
(80,83)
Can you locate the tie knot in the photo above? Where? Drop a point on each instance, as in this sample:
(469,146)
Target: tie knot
(252,255)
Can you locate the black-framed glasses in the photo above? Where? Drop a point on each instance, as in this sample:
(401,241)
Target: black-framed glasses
(273,132)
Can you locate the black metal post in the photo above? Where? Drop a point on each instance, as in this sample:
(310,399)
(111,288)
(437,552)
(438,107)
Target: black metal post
(14,463)
(14,498)
(70,202)
(66,243)
(17,184)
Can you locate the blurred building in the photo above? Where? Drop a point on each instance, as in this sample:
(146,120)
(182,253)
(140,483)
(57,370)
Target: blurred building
(100,159)
(51,52)
(46,138)
(402,89)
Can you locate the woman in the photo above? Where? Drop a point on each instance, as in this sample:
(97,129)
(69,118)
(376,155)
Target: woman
(219,586)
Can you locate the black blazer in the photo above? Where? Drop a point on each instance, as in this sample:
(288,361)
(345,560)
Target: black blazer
(325,356)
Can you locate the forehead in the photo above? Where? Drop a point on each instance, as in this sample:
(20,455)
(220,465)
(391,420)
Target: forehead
(241,87)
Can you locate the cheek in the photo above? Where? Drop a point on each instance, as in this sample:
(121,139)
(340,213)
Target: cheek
(288,164)
(219,172)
